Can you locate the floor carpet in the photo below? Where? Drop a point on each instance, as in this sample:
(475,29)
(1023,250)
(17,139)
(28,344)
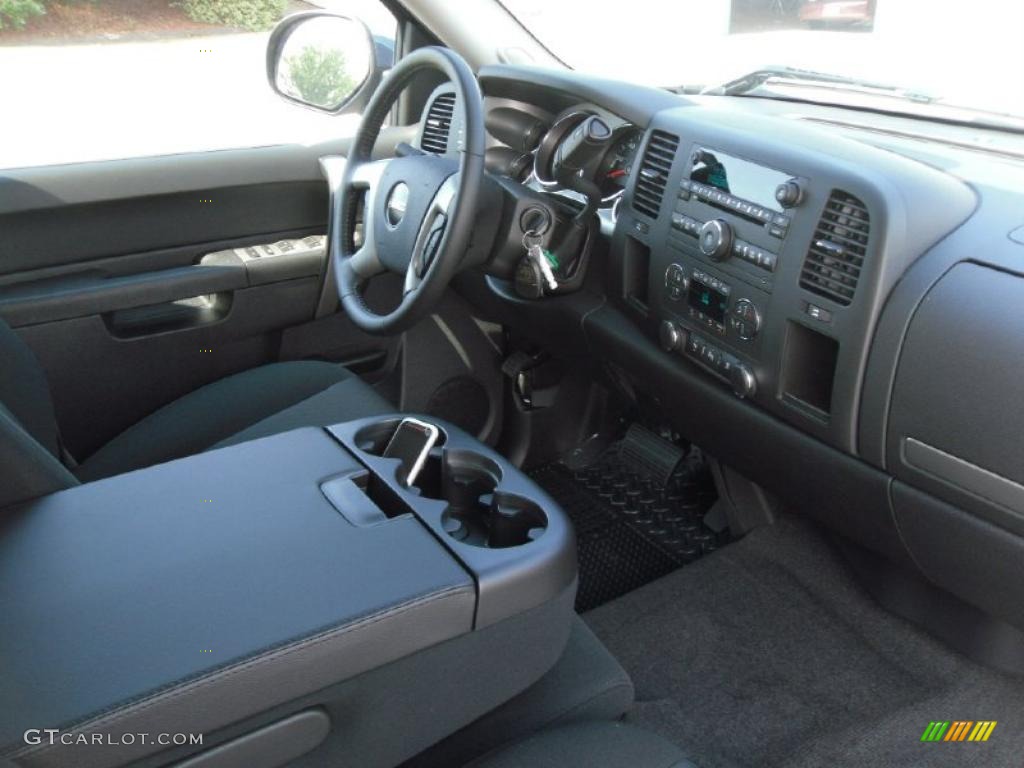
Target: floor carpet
(767,653)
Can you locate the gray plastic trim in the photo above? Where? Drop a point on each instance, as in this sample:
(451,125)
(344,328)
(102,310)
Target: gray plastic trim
(269,747)
(963,474)
(77,296)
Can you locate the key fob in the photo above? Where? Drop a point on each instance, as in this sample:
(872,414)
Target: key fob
(529,281)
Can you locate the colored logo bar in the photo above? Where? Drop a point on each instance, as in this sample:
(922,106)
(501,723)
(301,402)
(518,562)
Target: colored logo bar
(959,730)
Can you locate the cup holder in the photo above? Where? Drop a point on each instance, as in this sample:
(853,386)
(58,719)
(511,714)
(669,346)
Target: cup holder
(478,513)
(458,476)
(496,521)
(374,438)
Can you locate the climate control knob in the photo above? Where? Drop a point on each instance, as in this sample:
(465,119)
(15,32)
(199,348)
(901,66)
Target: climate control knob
(743,381)
(746,319)
(671,336)
(715,240)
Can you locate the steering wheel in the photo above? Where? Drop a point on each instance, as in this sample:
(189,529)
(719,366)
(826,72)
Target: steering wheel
(418,210)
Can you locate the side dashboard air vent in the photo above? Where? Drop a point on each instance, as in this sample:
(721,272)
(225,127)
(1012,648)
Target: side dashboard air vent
(438,124)
(835,259)
(655,168)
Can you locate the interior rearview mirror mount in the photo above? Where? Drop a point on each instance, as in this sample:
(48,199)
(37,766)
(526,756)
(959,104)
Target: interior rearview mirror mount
(326,61)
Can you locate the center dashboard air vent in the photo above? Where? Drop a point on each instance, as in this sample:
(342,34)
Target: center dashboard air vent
(438,124)
(835,258)
(655,168)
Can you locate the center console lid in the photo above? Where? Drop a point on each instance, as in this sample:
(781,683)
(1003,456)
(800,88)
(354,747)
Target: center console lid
(193,595)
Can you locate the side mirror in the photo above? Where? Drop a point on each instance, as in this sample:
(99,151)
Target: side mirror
(326,61)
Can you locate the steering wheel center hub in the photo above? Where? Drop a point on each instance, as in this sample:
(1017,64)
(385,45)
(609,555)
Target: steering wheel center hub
(410,186)
(396,204)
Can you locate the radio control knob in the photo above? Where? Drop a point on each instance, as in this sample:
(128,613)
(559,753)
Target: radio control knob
(671,336)
(715,240)
(789,193)
(744,383)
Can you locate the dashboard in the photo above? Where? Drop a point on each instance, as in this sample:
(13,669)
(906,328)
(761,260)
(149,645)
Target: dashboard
(763,263)
(826,300)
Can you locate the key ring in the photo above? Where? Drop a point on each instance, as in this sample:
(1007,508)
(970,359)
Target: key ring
(531,239)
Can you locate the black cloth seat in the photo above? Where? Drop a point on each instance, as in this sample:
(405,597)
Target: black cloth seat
(256,403)
(588,745)
(263,401)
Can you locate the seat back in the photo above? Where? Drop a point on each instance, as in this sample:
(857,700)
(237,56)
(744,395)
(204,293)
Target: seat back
(30,463)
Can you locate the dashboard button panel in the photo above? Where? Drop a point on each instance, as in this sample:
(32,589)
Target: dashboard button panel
(726,366)
(748,252)
(696,190)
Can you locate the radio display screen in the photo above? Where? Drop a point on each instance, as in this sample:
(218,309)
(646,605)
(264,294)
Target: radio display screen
(705,299)
(740,178)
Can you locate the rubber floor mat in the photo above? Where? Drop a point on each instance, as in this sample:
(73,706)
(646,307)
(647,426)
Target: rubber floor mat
(630,529)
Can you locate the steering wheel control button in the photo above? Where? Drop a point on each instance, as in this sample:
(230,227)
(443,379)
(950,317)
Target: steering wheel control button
(715,239)
(398,202)
(433,244)
(789,193)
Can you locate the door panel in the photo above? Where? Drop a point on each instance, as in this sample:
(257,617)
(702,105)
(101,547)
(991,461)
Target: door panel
(102,274)
(102,384)
(78,233)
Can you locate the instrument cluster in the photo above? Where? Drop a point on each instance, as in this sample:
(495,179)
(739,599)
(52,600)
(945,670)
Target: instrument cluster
(583,142)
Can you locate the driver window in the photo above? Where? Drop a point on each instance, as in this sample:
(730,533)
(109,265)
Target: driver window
(134,78)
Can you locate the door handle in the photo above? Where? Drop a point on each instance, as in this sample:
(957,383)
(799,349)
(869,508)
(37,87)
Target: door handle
(63,299)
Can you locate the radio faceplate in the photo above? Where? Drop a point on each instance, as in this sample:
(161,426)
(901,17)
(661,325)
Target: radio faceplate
(712,281)
(735,213)
(740,186)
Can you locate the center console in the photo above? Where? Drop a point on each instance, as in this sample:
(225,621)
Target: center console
(279,587)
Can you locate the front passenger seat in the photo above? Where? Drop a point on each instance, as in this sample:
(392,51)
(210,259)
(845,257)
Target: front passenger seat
(263,401)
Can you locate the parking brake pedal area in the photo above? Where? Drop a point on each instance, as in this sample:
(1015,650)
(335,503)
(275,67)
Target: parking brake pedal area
(639,512)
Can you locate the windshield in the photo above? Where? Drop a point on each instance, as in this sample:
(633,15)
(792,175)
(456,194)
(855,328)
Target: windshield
(958,53)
